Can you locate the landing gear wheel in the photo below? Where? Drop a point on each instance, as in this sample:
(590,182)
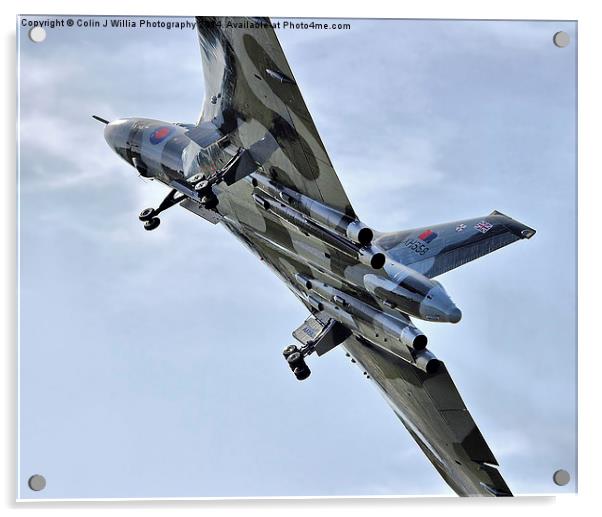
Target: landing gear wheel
(147,214)
(290,349)
(296,362)
(151,224)
(209,202)
(302,373)
(196,178)
(201,186)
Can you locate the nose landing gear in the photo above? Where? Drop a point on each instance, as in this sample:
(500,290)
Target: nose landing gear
(203,189)
(149,215)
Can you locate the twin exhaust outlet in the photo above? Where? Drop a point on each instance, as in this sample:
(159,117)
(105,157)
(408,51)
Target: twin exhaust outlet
(344,233)
(393,334)
(396,335)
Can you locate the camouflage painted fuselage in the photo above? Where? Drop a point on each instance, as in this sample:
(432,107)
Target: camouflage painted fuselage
(256,164)
(375,301)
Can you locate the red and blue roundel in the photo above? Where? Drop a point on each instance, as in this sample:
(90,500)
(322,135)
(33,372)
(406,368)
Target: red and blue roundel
(427,236)
(160,134)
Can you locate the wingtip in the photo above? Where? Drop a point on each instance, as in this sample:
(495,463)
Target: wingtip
(519,229)
(527,233)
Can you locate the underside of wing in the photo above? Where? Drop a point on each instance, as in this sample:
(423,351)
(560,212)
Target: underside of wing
(252,96)
(434,250)
(432,410)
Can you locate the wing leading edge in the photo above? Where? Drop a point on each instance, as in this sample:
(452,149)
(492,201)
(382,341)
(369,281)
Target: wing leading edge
(251,95)
(432,410)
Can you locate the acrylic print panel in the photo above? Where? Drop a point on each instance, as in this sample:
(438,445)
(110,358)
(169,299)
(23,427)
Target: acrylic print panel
(150,362)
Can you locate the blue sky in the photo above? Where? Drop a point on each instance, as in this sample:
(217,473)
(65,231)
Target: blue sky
(151,362)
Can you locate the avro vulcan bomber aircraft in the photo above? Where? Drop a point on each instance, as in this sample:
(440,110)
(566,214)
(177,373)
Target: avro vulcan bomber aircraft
(255,163)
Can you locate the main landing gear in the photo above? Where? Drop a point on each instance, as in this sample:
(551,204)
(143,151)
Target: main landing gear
(316,336)
(208,198)
(295,357)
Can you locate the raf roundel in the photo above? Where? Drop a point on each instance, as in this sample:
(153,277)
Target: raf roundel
(160,134)
(427,236)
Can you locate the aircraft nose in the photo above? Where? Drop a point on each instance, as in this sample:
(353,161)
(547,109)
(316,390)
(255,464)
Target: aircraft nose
(455,315)
(117,135)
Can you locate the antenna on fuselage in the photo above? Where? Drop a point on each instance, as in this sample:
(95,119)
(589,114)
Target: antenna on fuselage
(100,119)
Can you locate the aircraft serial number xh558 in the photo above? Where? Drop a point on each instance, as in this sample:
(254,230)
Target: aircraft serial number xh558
(255,163)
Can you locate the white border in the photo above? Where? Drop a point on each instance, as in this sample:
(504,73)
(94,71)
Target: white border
(590,114)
